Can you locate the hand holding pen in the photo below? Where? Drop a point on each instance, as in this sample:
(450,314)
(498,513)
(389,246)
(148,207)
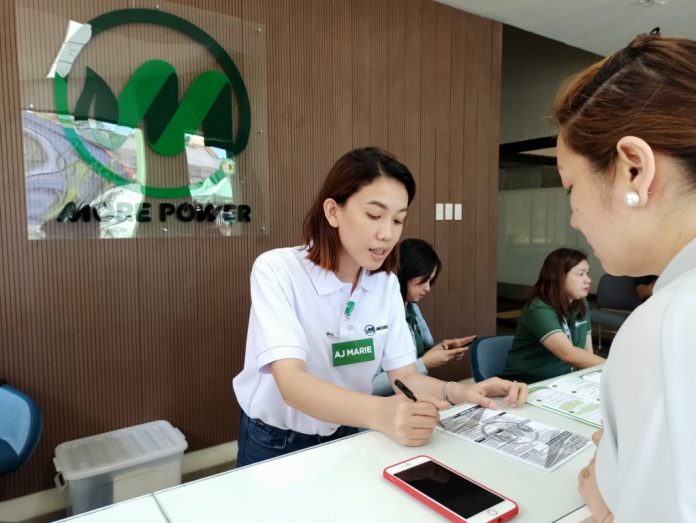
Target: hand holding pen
(404,418)
(410,395)
(403,388)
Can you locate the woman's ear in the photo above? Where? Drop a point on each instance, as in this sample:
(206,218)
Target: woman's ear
(331,212)
(635,166)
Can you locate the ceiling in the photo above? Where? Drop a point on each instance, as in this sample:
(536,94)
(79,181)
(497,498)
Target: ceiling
(598,26)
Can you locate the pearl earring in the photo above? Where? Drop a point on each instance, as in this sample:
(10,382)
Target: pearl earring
(631,199)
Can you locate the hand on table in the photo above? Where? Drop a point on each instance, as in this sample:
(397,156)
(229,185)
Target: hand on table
(515,394)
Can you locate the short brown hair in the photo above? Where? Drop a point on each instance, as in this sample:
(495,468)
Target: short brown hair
(550,286)
(647,89)
(349,174)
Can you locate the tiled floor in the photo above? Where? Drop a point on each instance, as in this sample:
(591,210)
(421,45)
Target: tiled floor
(192,476)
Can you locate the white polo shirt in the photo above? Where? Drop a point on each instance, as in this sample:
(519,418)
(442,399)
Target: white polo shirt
(646,462)
(298,310)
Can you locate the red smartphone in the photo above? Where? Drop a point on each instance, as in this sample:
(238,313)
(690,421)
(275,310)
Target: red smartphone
(450,493)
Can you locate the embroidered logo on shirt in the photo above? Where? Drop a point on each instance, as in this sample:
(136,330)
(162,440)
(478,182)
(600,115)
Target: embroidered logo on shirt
(371,329)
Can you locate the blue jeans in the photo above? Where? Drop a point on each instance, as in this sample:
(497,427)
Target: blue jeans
(259,441)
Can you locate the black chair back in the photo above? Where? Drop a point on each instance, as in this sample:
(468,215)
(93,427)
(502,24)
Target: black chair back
(617,292)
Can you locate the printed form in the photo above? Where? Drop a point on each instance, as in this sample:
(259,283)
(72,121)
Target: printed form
(525,440)
(574,396)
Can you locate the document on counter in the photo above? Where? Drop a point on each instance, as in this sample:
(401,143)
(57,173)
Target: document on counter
(525,440)
(574,396)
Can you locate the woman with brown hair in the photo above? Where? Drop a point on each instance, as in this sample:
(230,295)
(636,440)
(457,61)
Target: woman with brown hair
(627,156)
(326,315)
(554,333)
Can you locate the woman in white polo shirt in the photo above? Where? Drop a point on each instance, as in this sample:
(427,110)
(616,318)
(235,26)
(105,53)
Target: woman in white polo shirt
(326,315)
(627,156)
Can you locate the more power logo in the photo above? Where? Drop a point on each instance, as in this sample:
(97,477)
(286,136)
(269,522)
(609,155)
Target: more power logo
(151,96)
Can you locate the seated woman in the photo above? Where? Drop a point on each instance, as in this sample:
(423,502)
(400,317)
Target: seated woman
(419,268)
(554,334)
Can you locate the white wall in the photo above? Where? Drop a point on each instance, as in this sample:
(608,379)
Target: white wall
(533,218)
(533,68)
(531,224)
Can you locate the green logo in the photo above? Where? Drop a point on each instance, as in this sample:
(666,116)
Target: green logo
(151,95)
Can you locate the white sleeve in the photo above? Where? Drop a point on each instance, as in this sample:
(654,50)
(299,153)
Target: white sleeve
(399,348)
(679,366)
(646,466)
(278,331)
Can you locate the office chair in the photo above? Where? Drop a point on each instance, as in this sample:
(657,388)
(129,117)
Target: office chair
(20,427)
(488,356)
(616,299)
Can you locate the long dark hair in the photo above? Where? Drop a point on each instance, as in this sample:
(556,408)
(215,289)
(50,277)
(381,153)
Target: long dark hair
(349,174)
(550,286)
(417,259)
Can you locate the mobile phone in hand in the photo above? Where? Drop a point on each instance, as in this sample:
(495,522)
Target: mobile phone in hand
(453,495)
(473,339)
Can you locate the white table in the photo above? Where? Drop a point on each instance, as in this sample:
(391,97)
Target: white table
(342,482)
(138,510)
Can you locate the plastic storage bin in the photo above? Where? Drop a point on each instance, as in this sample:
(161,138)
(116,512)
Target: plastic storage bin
(114,466)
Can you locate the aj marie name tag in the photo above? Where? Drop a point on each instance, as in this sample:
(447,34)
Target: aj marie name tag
(355,351)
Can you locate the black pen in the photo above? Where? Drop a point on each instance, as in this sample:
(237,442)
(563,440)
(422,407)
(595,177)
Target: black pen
(410,395)
(403,388)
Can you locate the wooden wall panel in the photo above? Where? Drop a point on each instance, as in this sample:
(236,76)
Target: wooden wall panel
(106,334)
(412,115)
(426,176)
(362,71)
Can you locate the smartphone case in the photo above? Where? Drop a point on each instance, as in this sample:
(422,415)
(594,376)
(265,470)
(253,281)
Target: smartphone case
(456,518)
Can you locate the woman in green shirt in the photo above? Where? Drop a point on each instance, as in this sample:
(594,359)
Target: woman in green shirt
(554,333)
(419,266)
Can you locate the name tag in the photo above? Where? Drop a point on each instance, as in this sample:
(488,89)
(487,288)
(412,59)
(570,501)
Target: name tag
(355,351)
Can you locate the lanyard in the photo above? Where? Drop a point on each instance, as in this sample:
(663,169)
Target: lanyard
(350,306)
(566,329)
